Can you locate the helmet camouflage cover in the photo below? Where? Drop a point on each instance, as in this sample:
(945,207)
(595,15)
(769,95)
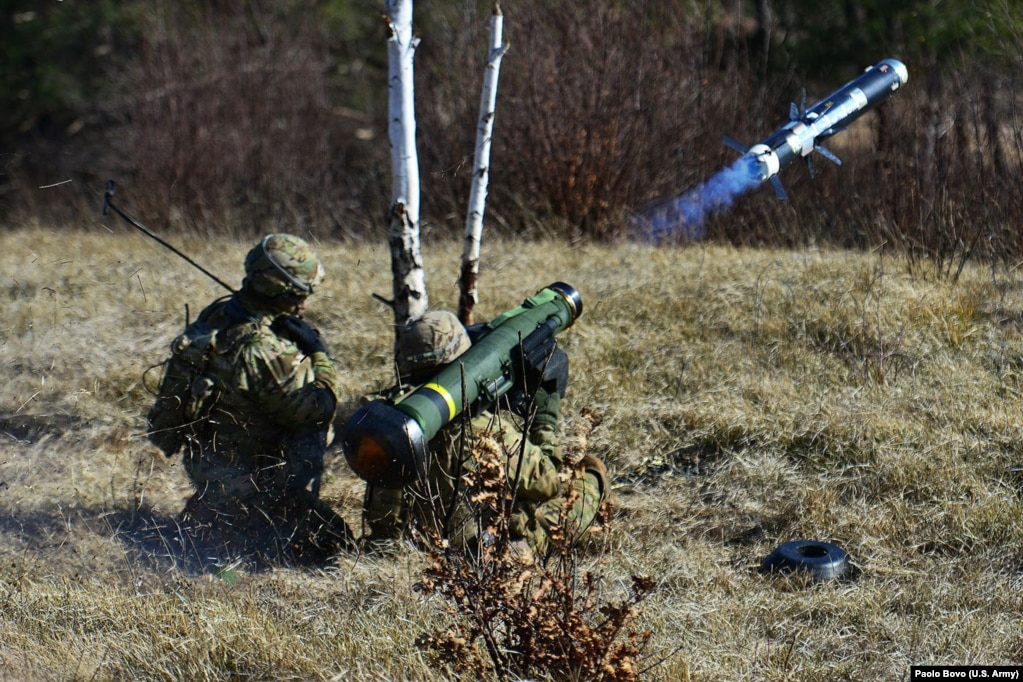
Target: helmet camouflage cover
(435,339)
(282,264)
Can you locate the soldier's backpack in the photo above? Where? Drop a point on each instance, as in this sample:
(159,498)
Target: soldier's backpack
(186,389)
(190,384)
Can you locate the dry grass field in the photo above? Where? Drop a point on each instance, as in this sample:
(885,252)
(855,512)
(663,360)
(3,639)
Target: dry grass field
(744,398)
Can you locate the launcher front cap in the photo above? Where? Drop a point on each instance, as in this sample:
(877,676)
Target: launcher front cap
(384,445)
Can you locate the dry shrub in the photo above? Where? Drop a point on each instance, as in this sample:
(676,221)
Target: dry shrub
(533,622)
(599,110)
(514,618)
(233,119)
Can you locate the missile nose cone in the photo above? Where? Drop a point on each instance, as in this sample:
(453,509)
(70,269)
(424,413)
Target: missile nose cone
(900,69)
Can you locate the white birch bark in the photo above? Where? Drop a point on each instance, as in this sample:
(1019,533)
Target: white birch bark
(409,279)
(469,294)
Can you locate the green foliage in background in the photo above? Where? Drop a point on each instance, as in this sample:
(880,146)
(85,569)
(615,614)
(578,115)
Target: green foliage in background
(58,57)
(817,37)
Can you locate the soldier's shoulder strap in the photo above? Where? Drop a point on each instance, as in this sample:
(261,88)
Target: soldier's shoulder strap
(235,326)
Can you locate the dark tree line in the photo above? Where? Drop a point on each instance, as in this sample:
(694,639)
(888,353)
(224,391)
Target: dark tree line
(237,115)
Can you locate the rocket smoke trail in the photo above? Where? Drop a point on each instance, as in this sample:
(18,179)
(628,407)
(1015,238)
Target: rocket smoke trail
(682,218)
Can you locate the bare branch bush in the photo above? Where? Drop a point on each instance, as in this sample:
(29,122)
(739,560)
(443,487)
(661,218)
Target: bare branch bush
(230,121)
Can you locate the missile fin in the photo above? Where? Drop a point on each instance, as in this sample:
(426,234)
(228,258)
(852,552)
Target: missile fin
(828,154)
(798,113)
(737,146)
(779,191)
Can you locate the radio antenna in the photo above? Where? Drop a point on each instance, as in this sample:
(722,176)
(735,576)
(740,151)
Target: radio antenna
(108,205)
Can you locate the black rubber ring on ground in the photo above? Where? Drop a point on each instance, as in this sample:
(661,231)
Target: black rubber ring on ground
(823,560)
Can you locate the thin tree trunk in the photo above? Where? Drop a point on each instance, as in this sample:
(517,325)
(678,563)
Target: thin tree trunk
(763,35)
(992,124)
(469,295)
(409,279)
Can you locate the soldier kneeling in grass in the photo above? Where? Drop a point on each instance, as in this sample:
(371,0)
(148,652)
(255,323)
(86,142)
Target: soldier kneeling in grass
(249,395)
(476,469)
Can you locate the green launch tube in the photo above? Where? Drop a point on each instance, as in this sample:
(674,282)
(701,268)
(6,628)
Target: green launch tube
(386,440)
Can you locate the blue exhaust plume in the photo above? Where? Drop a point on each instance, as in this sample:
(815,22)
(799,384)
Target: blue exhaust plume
(681,219)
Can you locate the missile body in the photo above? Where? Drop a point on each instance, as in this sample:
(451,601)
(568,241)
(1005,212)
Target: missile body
(807,128)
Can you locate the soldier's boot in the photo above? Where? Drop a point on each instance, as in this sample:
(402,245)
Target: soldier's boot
(322,533)
(334,530)
(592,465)
(197,514)
(383,513)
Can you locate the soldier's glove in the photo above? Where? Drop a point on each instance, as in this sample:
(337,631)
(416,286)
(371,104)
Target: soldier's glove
(547,409)
(299,332)
(543,431)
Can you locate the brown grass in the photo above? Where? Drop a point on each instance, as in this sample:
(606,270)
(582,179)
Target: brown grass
(746,397)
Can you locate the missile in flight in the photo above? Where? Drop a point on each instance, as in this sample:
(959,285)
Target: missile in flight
(807,128)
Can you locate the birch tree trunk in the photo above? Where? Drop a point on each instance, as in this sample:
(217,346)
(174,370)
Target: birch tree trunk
(469,295)
(409,279)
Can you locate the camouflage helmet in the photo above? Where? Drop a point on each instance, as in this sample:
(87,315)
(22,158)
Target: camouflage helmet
(282,264)
(435,339)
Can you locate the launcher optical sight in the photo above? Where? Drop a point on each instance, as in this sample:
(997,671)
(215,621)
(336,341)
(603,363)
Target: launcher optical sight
(386,441)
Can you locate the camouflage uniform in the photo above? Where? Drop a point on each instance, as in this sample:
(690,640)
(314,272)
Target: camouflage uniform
(545,496)
(255,451)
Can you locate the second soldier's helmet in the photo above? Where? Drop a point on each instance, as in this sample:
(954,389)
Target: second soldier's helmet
(282,265)
(433,340)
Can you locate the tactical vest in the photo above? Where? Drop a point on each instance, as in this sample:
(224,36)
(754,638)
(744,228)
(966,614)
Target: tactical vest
(190,386)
